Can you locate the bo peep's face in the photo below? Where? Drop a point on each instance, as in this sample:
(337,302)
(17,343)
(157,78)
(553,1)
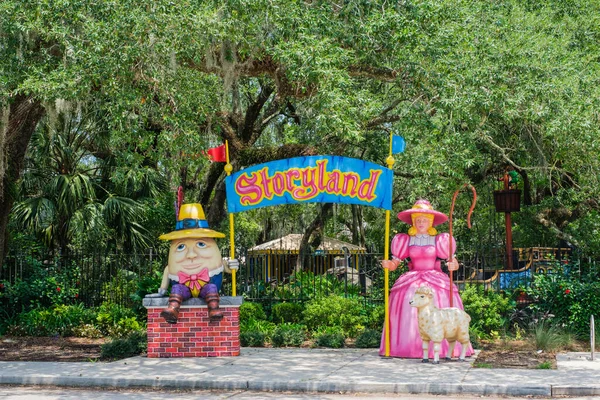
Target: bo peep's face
(422,223)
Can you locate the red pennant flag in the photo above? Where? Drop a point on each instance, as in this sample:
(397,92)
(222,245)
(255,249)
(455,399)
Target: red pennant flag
(217,154)
(179,197)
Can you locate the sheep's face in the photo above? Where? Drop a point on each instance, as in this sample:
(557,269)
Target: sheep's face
(421,299)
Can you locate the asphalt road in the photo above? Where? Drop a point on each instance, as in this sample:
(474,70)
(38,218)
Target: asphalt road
(51,393)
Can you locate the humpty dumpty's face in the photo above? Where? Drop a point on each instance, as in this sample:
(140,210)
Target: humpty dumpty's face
(192,255)
(422,224)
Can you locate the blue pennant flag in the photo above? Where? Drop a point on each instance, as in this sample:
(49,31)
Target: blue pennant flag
(398,144)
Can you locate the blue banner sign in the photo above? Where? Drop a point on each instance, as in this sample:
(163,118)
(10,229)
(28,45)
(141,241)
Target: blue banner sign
(315,179)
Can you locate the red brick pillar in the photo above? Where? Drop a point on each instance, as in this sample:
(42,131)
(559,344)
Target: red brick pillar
(193,335)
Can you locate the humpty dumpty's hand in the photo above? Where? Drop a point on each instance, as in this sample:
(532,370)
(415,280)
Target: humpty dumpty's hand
(390,264)
(161,293)
(452,265)
(233,264)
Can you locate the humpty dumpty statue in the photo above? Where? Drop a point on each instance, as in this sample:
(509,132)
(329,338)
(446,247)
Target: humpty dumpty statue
(195,267)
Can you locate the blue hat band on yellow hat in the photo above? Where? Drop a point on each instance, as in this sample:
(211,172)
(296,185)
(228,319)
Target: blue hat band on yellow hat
(191,223)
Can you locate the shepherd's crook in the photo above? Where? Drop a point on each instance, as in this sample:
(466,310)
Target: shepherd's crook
(450,250)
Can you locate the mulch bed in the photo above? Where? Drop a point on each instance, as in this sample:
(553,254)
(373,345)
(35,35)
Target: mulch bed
(514,354)
(49,349)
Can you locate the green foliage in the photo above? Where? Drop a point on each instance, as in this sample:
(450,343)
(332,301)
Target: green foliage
(545,365)
(330,337)
(368,339)
(375,315)
(546,336)
(116,321)
(121,288)
(378,283)
(489,310)
(258,325)
(134,344)
(335,311)
(251,311)
(252,339)
(288,335)
(65,199)
(308,285)
(87,331)
(42,286)
(287,312)
(482,83)
(60,320)
(146,284)
(570,298)
(476,334)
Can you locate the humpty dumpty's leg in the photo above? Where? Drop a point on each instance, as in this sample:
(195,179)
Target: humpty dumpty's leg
(210,293)
(179,293)
(425,351)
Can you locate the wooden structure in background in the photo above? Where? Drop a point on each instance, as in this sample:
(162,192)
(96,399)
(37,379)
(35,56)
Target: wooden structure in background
(508,200)
(276,259)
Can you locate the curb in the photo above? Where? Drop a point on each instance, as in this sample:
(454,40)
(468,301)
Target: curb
(306,386)
(567,390)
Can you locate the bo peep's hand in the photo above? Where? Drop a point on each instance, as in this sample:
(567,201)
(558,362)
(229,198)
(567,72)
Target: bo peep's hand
(390,264)
(452,265)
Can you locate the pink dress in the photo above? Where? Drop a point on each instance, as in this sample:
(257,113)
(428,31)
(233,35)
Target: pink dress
(425,253)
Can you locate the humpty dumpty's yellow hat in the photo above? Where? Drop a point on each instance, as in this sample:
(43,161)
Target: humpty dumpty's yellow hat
(191,223)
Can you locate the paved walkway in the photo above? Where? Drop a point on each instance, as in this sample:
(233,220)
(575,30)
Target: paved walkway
(318,370)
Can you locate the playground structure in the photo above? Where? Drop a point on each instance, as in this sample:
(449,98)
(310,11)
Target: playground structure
(527,263)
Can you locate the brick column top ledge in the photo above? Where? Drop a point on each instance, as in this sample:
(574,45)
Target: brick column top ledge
(225,301)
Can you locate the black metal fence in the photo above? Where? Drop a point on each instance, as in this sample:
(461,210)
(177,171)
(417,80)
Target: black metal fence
(90,278)
(269,278)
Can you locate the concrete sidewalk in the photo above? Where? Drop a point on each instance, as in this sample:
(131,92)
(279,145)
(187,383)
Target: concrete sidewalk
(316,370)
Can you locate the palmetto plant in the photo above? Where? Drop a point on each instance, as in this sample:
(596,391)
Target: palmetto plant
(67,190)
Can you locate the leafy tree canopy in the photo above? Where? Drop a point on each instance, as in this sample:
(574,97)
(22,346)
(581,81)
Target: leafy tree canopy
(474,87)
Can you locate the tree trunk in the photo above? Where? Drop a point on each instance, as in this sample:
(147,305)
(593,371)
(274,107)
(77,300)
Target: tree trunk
(24,114)
(527,199)
(317,225)
(358,231)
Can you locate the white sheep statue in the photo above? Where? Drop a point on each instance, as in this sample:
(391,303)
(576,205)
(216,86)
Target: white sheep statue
(437,324)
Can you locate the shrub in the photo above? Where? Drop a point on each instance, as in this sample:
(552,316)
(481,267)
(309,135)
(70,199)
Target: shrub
(334,311)
(488,310)
(307,284)
(368,339)
(330,337)
(87,331)
(58,320)
(375,316)
(288,335)
(124,327)
(547,337)
(121,289)
(145,285)
(251,311)
(287,312)
(567,296)
(475,334)
(43,286)
(115,320)
(333,340)
(132,345)
(252,339)
(265,327)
